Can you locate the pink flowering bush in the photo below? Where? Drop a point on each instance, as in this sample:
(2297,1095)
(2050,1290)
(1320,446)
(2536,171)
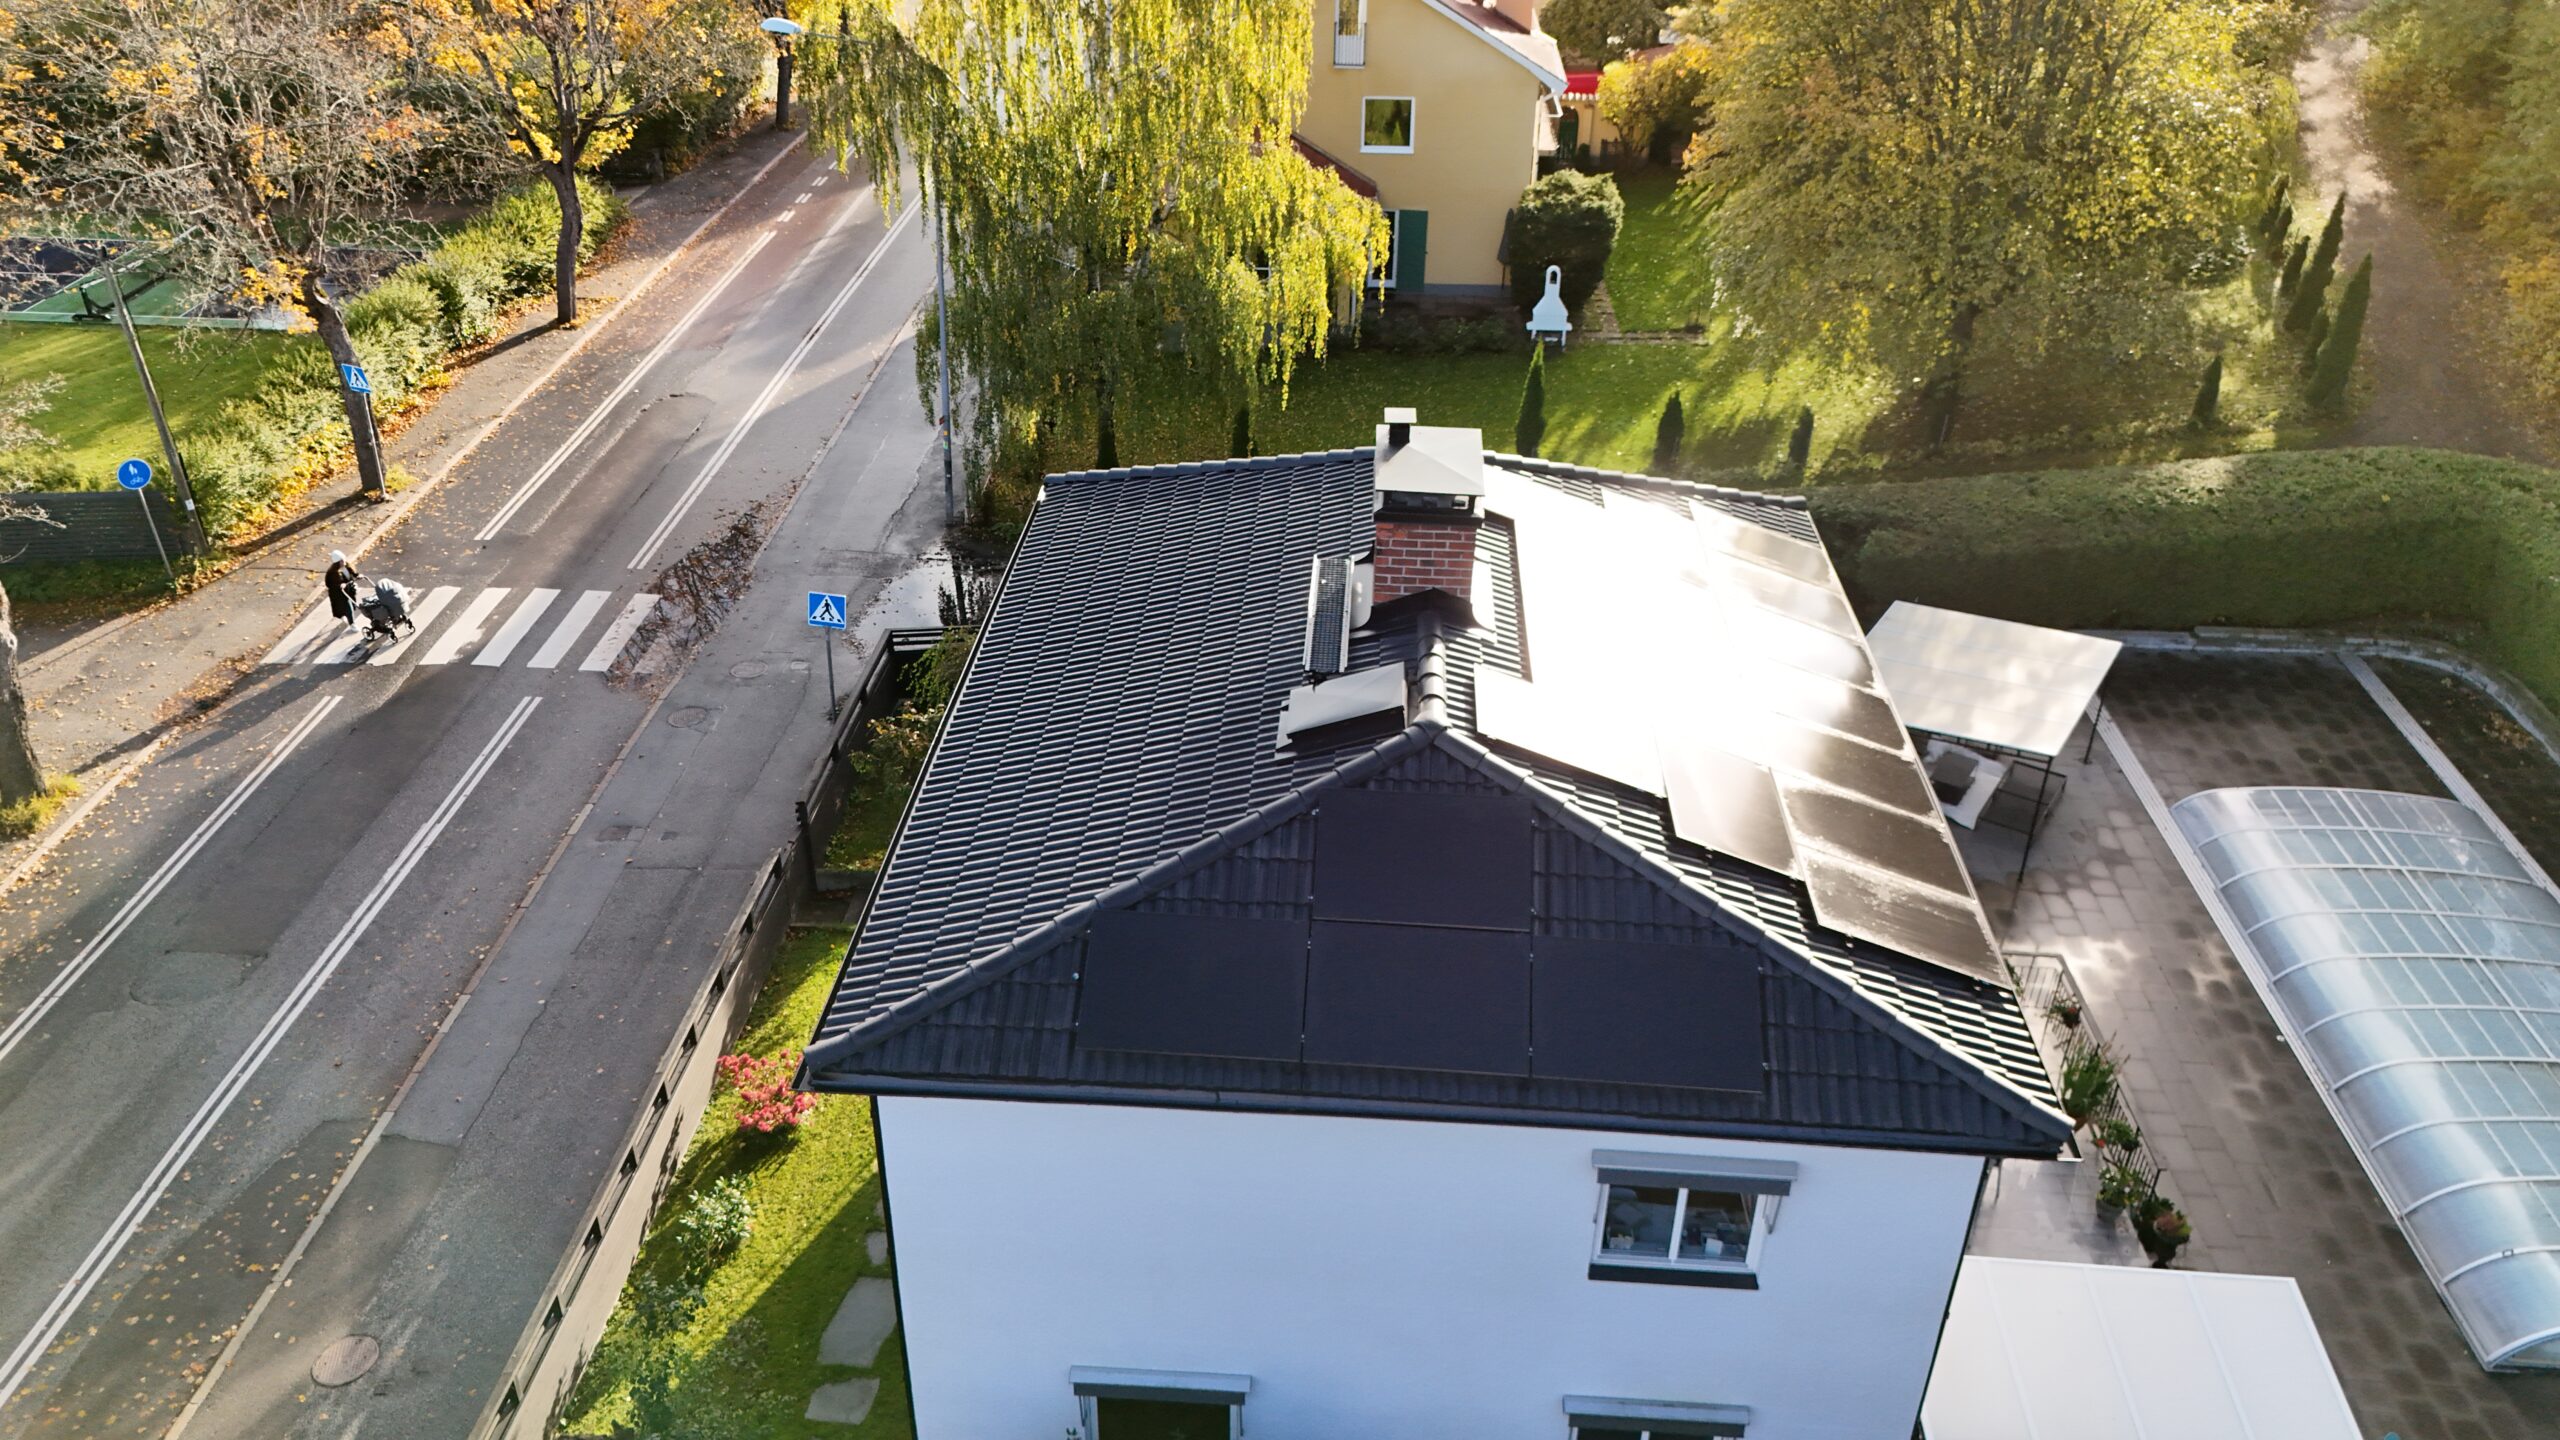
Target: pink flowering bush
(766,1101)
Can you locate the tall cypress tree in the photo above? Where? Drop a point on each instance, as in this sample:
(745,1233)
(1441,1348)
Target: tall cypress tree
(2311,341)
(1240,444)
(2278,216)
(2291,276)
(1106,446)
(2313,292)
(1530,430)
(1800,444)
(2208,407)
(1667,435)
(2338,352)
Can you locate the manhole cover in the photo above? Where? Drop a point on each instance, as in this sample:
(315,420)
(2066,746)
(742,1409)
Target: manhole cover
(746,669)
(687,717)
(345,1361)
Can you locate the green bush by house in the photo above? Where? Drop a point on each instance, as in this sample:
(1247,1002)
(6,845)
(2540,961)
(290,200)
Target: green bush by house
(262,448)
(1566,219)
(2426,538)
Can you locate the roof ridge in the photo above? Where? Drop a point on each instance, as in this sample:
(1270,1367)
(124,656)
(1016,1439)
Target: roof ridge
(1203,467)
(1533,465)
(1039,939)
(1473,751)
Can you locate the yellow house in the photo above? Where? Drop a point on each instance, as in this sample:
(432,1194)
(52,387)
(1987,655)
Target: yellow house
(1439,110)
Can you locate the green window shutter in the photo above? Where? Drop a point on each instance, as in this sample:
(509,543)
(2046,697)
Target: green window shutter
(1413,241)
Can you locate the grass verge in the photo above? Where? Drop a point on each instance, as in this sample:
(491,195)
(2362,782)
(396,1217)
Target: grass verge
(746,1363)
(31,814)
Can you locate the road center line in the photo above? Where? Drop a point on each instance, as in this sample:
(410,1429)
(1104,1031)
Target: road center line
(765,397)
(595,417)
(101,1257)
(27,1019)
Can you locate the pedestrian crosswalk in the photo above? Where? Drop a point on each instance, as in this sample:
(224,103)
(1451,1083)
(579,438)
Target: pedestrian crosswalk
(488,629)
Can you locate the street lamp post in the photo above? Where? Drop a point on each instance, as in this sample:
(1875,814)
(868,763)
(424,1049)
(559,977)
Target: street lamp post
(151,397)
(785,30)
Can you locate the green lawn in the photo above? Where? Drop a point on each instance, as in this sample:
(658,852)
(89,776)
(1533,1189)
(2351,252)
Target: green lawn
(99,417)
(747,1363)
(1602,405)
(1658,273)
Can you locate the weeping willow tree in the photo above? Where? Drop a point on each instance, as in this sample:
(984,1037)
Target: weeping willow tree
(1121,198)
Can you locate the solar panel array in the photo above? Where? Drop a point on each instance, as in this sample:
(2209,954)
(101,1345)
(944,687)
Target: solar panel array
(1680,651)
(1420,955)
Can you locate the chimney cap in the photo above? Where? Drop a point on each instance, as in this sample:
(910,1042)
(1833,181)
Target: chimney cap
(1402,415)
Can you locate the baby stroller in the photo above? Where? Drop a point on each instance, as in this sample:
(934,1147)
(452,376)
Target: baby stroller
(386,611)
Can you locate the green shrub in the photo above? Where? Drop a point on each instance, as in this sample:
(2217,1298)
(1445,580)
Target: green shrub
(1566,219)
(717,1222)
(2425,538)
(2278,216)
(1667,434)
(2313,291)
(262,447)
(1800,442)
(2208,406)
(1530,430)
(2290,277)
(2338,350)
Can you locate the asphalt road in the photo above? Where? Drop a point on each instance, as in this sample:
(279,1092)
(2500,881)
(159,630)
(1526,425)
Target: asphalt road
(211,997)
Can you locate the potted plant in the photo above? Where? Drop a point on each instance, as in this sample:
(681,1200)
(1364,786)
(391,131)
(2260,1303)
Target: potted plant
(2065,1011)
(2162,1230)
(2088,1081)
(2119,1134)
(2120,1188)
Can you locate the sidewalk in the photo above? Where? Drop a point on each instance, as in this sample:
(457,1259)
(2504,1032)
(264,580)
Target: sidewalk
(101,696)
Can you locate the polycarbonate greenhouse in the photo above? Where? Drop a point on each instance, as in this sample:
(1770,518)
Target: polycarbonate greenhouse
(2414,961)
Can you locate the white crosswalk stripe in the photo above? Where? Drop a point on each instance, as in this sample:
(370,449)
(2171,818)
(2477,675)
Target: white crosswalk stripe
(618,634)
(565,634)
(453,625)
(511,634)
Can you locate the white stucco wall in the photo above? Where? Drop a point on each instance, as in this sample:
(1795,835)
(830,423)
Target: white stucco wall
(1387,1277)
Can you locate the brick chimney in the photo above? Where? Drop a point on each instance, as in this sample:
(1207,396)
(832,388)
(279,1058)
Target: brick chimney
(1430,489)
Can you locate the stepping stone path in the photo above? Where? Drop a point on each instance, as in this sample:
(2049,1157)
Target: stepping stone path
(866,1319)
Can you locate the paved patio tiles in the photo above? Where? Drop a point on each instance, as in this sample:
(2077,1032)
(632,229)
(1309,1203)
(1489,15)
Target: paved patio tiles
(862,1324)
(2250,1152)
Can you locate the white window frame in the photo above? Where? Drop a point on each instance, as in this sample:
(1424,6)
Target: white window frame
(1412,124)
(1601,1254)
(1351,47)
(1384,278)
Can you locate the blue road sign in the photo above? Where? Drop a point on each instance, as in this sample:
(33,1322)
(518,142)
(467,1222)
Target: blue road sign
(357,380)
(134,474)
(826,609)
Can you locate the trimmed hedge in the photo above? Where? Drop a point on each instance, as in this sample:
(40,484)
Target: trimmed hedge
(2286,538)
(264,448)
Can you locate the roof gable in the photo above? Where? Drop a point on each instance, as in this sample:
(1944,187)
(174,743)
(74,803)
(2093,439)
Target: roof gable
(1532,51)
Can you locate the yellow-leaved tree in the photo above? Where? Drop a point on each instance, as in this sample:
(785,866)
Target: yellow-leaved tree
(554,87)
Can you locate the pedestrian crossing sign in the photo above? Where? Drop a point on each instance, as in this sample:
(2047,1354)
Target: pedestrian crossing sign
(826,610)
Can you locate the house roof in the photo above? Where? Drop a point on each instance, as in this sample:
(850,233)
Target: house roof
(1535,51)
(1360,185)
(1106,792)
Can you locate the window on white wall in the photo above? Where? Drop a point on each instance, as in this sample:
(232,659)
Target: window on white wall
(1684,1219)
(1158,1404)
(1594,1418)
(1677,1225)
(1386,125)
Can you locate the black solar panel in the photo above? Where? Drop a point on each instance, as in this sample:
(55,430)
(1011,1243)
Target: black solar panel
(1860,901)
(1844,708)
(1891,780)
(1906,845)
(1641,1014)
(1419,998)
(1726,804)
(1193,985)
(1763,546)
(1793,598)
(1806,647)
(1419,858)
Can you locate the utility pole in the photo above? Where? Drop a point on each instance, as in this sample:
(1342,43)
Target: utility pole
(151,396)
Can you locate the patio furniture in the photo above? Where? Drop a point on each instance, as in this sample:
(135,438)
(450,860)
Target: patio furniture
(2003,690)
(1964,779)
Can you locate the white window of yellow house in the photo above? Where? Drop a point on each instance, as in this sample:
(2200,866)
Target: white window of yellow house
(1386,125)
(1350,33)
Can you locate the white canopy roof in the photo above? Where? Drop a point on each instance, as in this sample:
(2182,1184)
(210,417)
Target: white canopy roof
(2036,1350)
(1969,677)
